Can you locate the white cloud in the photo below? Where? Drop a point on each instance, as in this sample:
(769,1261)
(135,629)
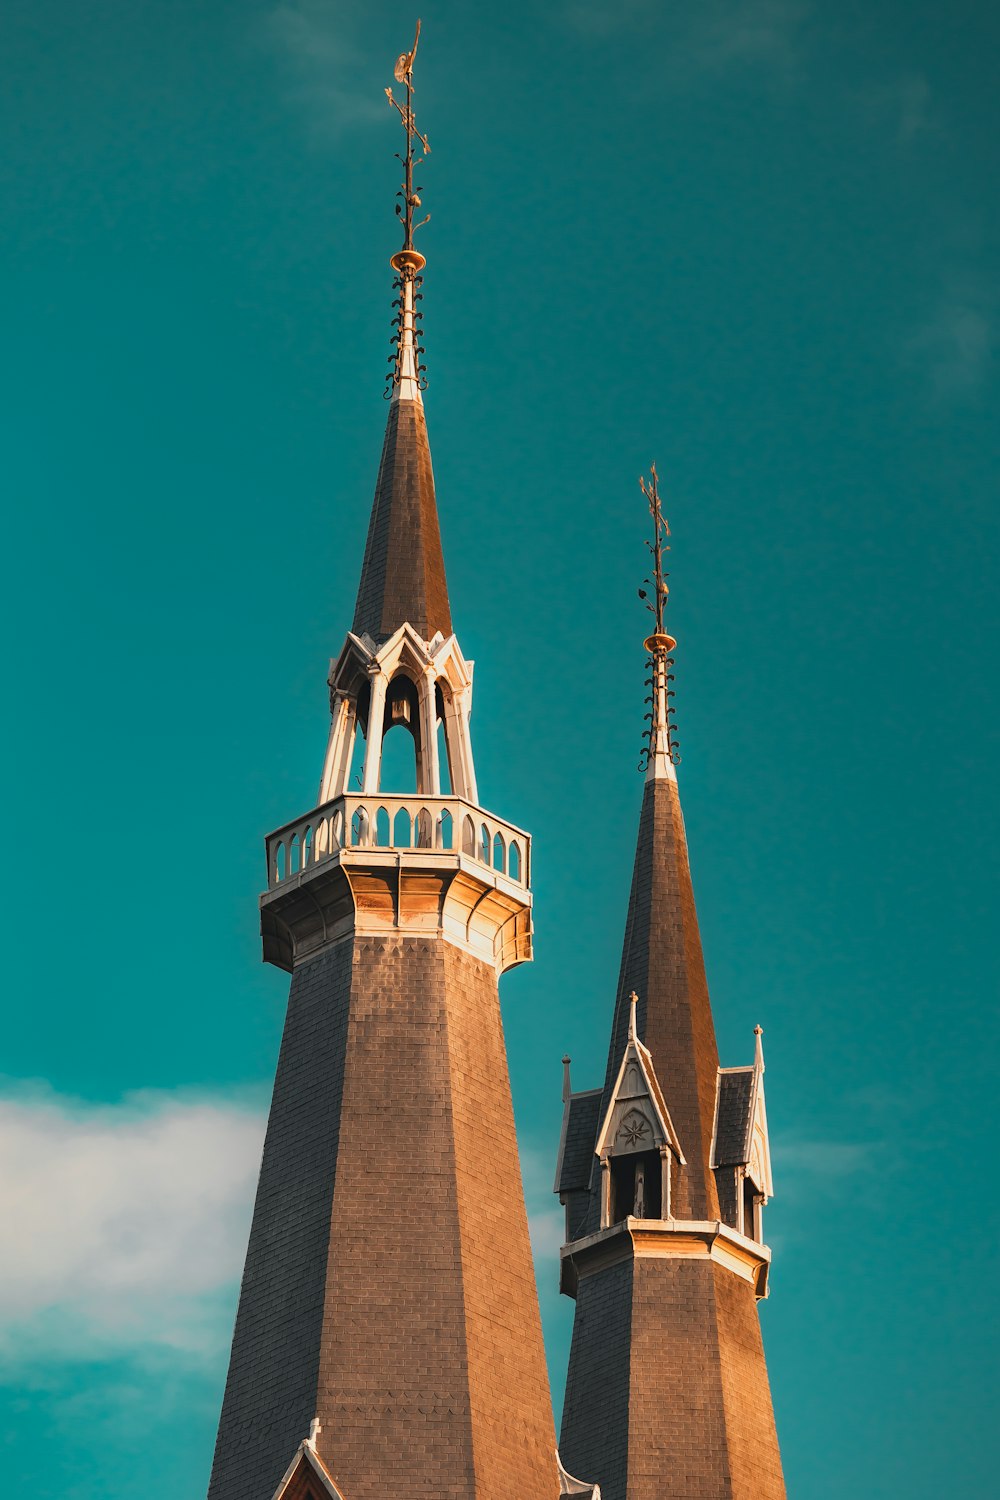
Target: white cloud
(745,32)
(124,1225)
(325,74)
(953,350)
(545,1213)
(713,35)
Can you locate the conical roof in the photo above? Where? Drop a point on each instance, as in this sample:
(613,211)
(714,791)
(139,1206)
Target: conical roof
(402,576)
(662,962)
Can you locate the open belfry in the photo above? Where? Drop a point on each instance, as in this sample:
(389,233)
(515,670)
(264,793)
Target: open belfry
(388,1339)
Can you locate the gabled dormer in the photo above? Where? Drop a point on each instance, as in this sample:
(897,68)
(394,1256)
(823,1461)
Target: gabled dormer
(636,1144)
(741,1153)
(307,1477)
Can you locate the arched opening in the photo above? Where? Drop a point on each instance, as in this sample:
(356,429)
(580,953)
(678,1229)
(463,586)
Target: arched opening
(636,1186)
(499,853)
(337,829)
(399,771)
(424,830)
(294,853)
(402,830)
(443,748)
(279,862)
(445,830)
(308,844)
(752,1215)
(383,836)
(468,837)
(360,828)
(355,775)
(484,844)
(514,860)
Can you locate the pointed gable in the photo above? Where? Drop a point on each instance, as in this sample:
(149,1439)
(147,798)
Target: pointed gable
(307,1478)
(741,1138)
(637,1118)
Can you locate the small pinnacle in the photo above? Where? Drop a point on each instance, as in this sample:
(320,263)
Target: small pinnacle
(633,1001)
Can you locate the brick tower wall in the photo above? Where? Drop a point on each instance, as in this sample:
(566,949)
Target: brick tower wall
(270,1395)
(670,1350)
(403,1312)
(593,1442)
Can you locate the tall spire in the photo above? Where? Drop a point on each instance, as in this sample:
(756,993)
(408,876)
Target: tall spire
(661,957)
(402,576)
(389,1308)
(664,1173)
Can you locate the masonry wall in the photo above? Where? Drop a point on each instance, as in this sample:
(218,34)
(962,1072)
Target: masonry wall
(669,1351)
(594,1441)
(755,1460)
(512,1427)
(271,1389)
(389,1288)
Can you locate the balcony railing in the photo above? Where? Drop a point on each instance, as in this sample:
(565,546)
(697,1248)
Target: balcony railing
(436,824)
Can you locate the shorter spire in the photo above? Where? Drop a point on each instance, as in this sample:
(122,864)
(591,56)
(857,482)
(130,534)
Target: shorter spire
(661,749)
(406,379)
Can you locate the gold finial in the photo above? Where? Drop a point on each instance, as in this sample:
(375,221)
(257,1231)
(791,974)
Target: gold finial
(408,262)
(650,488)
(660,751)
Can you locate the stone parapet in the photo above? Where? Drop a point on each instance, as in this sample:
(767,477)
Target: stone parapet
(406,865)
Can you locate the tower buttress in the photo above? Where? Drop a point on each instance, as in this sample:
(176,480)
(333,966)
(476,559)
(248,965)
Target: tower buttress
(663,1173)
(388,1305)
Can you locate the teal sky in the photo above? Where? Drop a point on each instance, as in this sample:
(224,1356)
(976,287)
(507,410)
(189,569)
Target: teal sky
(756,240)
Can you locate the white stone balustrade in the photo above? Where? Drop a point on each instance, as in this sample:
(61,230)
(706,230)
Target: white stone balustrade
(354,823)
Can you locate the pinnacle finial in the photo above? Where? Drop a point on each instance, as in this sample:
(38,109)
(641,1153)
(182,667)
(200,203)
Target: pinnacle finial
(410,196)
(406,379)
(567,1086)
(315,1428)
(758,1056)
(633,1001)
(660,751)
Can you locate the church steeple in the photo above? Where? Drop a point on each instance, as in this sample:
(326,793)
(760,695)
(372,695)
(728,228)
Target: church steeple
(388,1306)
(663,1173)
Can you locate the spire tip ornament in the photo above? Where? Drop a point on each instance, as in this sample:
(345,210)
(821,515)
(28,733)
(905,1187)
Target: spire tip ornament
(660,754)
(407,378)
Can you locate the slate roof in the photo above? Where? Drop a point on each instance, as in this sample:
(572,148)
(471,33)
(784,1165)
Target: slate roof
(732,1130)
(662,962)
(402,576)
(577,1152)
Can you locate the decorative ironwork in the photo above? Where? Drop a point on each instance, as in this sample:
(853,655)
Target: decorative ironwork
(650,488)
(659,645)
(403,73)
(408,262)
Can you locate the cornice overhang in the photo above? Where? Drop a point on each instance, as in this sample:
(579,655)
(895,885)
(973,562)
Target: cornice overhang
(665,1239)
(366,889)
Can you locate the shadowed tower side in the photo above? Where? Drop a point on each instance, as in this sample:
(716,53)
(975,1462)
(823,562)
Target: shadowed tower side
(388,1339)
(663,1172)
